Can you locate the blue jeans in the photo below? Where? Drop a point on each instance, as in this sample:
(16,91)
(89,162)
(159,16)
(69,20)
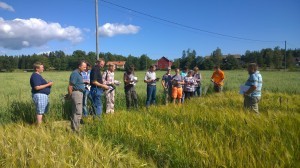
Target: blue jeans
(86,95)
(198,91)
(96,96)
(151,94)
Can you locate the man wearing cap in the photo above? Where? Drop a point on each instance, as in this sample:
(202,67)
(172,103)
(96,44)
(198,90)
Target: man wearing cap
(97,86)
(75,90)
(167,85)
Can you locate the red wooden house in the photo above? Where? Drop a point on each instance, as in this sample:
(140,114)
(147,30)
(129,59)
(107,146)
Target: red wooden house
(163,63)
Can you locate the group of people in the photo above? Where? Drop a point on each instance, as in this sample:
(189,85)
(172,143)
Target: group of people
(90,83)
(182,85)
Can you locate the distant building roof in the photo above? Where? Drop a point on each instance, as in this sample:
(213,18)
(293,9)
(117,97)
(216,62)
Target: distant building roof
(165,59)
(118,63)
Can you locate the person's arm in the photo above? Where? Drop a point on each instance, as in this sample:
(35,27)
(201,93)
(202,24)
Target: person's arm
(70,89)
(222,78)
(40,87)
(126,81)
(163,83)
(253,85)
(104,77)
(250,90)
(105,87)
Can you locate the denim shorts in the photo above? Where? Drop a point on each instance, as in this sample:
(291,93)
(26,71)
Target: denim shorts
(41,103)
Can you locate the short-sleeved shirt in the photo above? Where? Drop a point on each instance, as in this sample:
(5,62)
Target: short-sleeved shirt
(150,76)
(198,78)
(183,74)
(108,77)
(96,75)
(86,76)
(189,84)
(167,78)
(128,77)
(37,80)
(255,79)
(76,80)
(218,76)
(176,79)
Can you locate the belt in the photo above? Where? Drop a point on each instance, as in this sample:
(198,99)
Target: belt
(96,87)
(77,90)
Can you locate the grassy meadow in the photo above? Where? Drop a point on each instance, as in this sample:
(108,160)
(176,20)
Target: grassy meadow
(211,131)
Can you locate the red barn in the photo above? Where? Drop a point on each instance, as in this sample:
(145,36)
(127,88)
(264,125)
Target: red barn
(164,63)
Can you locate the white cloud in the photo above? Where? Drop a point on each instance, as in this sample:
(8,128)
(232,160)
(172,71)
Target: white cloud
(5,6)
(112,29)
(25,33)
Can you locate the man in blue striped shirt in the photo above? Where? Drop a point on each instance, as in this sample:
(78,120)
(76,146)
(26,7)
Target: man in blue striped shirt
(253,95)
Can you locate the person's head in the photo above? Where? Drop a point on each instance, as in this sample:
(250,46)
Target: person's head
(100,62)
(217,68)
(88,66)
(252,67)
(196,69)
(190,73)
(111,67)
(38,67)
(177,70)
(130,70)
(168,70)
(152,68)
(81,66)
(185,69)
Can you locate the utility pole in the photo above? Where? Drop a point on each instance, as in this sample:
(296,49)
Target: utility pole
(284,55)
(96,13)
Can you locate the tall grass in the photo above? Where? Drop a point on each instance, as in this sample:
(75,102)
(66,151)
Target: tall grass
(206,132)
(52,146)
(211,131)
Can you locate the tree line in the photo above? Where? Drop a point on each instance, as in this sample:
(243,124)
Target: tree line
(58,60)
(265,58)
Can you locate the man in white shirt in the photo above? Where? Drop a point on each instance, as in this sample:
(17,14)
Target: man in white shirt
(150,79)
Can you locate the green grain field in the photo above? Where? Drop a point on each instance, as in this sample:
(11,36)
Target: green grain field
(211,131)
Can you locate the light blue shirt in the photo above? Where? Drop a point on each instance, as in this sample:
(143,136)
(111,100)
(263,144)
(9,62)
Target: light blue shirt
(255,79)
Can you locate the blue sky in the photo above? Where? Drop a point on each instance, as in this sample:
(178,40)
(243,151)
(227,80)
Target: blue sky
(37,26)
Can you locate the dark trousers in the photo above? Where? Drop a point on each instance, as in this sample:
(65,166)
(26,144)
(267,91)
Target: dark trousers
(198,91)
(96,96)
(188,95)
(151,95)
(131,97)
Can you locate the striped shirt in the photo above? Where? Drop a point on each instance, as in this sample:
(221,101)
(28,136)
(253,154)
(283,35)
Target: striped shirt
(189,84)
(255,79)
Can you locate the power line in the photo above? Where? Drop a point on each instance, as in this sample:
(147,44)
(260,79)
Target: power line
(186,26)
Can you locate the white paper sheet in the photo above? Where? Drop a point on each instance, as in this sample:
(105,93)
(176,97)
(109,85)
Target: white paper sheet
(243,89)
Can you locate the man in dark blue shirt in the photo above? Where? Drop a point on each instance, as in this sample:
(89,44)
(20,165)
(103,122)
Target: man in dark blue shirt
(97,86)
(40,90)
(167,85)
(76,89)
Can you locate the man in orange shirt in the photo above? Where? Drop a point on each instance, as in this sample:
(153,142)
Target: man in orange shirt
(217,78)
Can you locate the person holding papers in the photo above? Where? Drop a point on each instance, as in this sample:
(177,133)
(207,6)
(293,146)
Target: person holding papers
(129,86)
(252,95)
(150,79)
